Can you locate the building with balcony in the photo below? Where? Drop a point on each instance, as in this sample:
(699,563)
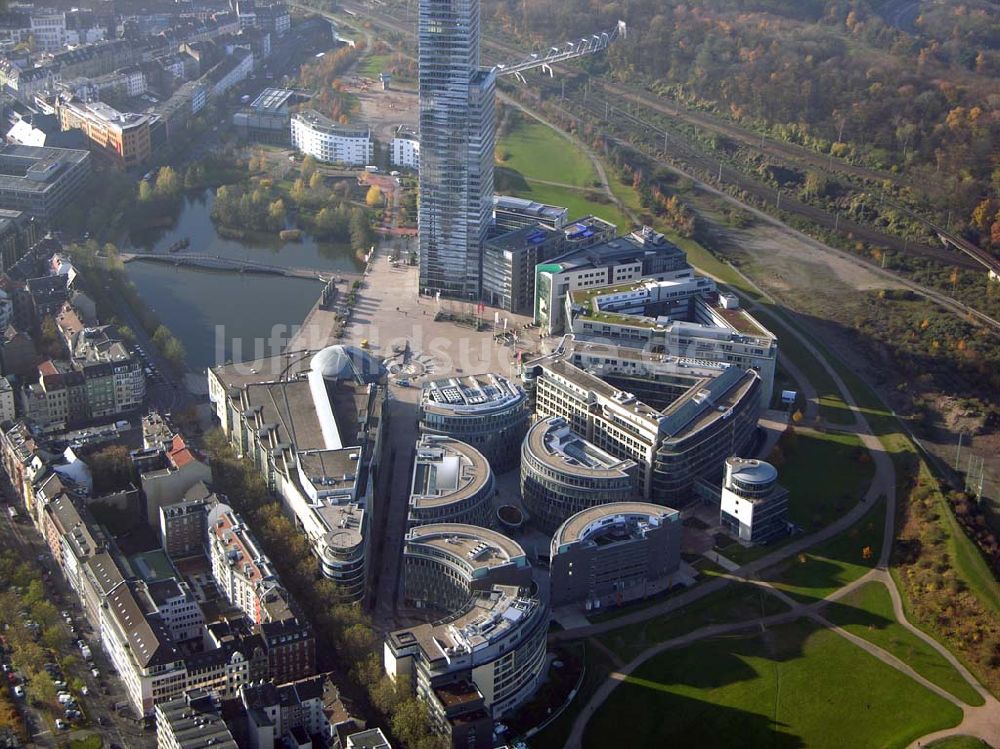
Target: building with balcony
(485,652)
(678,419)
(243,572)
(325,140)
(452,483)
(405,148)
(754,507)
(563,474)
(487,411)
(613,554)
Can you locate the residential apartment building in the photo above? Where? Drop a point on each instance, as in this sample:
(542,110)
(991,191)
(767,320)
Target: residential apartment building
(487,411)
(184,524)
(563,474)
(452,483)
(18,233)
(485,652)
(192,721)
(41,181)
(325,140)
(614,554)
(753,506)
(48,29)
(244,574)
(120,138)
(678,419)
(405,148)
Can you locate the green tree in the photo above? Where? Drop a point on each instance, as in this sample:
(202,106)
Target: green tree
(276,214)
(51,342)
(174,353)
(315,181)
(111,468)
(308,167)
(168,183)
(145,191)
(43,690)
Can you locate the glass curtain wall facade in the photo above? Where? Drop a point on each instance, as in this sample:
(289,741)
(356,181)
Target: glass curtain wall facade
(457,134)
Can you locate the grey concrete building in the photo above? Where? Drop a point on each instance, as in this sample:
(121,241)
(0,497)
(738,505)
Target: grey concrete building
(562,474)
(677,418)
(452,483)
(487,411)
(484,653)
(41,181)
(614,554)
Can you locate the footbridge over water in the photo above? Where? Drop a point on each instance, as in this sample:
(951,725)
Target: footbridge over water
(220,263)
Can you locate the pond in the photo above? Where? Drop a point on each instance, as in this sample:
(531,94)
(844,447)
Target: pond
(220,316)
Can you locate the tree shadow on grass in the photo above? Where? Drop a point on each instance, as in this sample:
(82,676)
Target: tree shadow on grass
(508,180)
(686,697)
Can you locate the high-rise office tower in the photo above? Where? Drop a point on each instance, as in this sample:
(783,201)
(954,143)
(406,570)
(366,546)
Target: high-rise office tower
(457,134)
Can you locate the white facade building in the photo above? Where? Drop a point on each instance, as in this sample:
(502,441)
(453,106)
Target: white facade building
(406,148)
(7,408)
(325,140)
(48,29)
(753,505)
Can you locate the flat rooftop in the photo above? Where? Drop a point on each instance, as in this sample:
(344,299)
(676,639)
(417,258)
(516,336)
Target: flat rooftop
(476,547)
(447,471)
(491,616)
(472,394)
(552,441)
(529,208)
(714,388)
(323,124)
(629,516)
(35,168)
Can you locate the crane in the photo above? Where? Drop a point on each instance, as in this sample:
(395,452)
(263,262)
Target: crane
(570,50)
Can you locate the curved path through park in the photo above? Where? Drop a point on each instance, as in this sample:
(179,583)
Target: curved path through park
(982,722)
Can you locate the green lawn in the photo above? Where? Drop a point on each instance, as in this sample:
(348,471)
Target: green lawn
(536,151)
(833,564)
(794,686)
(579,202)
(736,602)
(826,474)
(372,65)
(867,612)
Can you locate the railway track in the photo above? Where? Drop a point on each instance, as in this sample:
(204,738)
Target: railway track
(765,193)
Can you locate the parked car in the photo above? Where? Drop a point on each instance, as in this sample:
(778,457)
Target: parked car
(61,724)
(19,691)
(95,673)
